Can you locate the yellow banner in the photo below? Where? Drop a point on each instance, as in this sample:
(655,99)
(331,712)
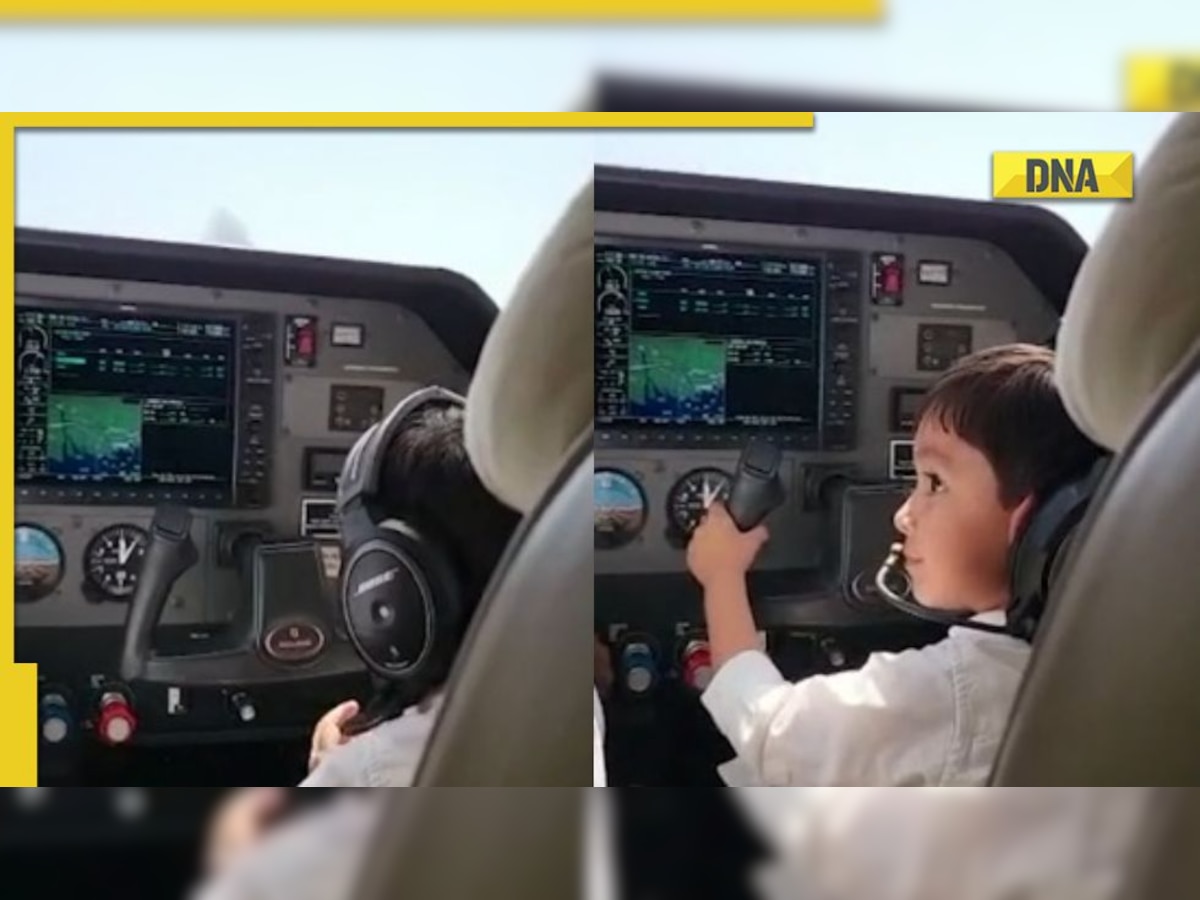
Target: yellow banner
(1162,83)
(1106,175)
(446,10)
(591,121)
(18,684)
(18,702)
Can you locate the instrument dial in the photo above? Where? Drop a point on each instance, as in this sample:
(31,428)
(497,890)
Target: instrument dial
(113,560)
(39,563)
(619,509)
(691,496)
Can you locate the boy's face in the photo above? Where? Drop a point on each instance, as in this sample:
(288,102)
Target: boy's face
(956,531)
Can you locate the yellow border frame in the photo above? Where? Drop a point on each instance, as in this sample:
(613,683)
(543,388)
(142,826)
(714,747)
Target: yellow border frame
(542,121)
(467,11)
(1147,82)
(18,683)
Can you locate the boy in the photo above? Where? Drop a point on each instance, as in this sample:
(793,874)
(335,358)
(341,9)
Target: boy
(992,438)
(427,479)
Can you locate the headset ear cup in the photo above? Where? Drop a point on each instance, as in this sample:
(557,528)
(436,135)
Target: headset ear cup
(449,622)
(1041,548)
(387,608)
(401,606)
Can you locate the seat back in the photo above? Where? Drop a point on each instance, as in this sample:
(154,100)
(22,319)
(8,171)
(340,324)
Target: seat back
(1109,697)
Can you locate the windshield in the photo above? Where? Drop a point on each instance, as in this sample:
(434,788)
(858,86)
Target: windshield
(946,154)
(476,202)
(480,202)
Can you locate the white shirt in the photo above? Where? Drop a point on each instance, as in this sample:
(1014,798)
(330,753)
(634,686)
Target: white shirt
(938,843)
(829,843)
(600,865)
(933,716)
(318,855)
(386,756)
(599,770)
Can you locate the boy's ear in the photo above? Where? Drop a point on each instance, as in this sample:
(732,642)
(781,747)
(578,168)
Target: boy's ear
(1019,518)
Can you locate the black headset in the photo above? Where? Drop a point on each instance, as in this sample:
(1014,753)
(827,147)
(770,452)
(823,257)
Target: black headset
(1034,562)
(400,599)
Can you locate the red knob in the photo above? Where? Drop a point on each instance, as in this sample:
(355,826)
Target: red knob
(697,665)
(116,723)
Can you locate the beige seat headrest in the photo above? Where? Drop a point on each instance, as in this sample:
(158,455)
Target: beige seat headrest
(1134,309)
(531,395)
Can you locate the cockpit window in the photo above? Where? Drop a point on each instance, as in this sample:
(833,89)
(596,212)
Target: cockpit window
(474,203)
(938,154)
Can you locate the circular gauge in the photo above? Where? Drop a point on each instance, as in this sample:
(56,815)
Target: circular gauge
(612,291)
(31,350)
(39,563)
(612,278)
(689,499)
(619,508)
(113,559)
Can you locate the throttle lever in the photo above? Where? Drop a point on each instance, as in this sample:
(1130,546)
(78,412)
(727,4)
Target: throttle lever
(169,553)
(757,489)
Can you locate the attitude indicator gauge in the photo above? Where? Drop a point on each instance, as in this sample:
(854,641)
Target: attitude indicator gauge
(39,563)
(619,508)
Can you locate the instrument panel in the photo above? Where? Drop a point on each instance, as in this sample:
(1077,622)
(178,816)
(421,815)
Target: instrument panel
(232,382)
(710,332)
(240,406)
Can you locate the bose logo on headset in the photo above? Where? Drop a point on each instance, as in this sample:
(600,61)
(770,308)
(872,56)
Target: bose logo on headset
(376,581)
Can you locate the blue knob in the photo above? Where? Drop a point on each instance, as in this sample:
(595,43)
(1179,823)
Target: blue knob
(56,721)
(637,660)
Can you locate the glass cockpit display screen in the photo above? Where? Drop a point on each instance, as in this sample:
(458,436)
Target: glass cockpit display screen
(707,339)
(116,399)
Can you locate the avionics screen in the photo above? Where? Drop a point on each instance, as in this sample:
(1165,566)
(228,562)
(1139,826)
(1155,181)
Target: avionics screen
(108,398)
(696,337)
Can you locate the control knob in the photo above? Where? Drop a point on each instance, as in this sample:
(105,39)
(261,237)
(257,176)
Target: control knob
(697,664)
(243,707)
(55,719)
(833,653)
(117,722)
(638,667)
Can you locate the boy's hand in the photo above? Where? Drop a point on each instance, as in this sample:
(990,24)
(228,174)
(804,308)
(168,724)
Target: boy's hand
(719,550)
(240,823)
(328,733)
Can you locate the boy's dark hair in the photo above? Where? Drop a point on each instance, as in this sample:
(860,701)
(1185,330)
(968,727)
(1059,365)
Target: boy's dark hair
(1003,401)
(427,478)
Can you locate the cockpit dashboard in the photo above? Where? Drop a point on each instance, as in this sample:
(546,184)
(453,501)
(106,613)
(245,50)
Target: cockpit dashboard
(232,382)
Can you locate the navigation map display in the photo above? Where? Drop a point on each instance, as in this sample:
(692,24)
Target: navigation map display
(701,338)
(115,399)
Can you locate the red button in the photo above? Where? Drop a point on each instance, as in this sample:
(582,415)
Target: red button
(697,665)
(117,723)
